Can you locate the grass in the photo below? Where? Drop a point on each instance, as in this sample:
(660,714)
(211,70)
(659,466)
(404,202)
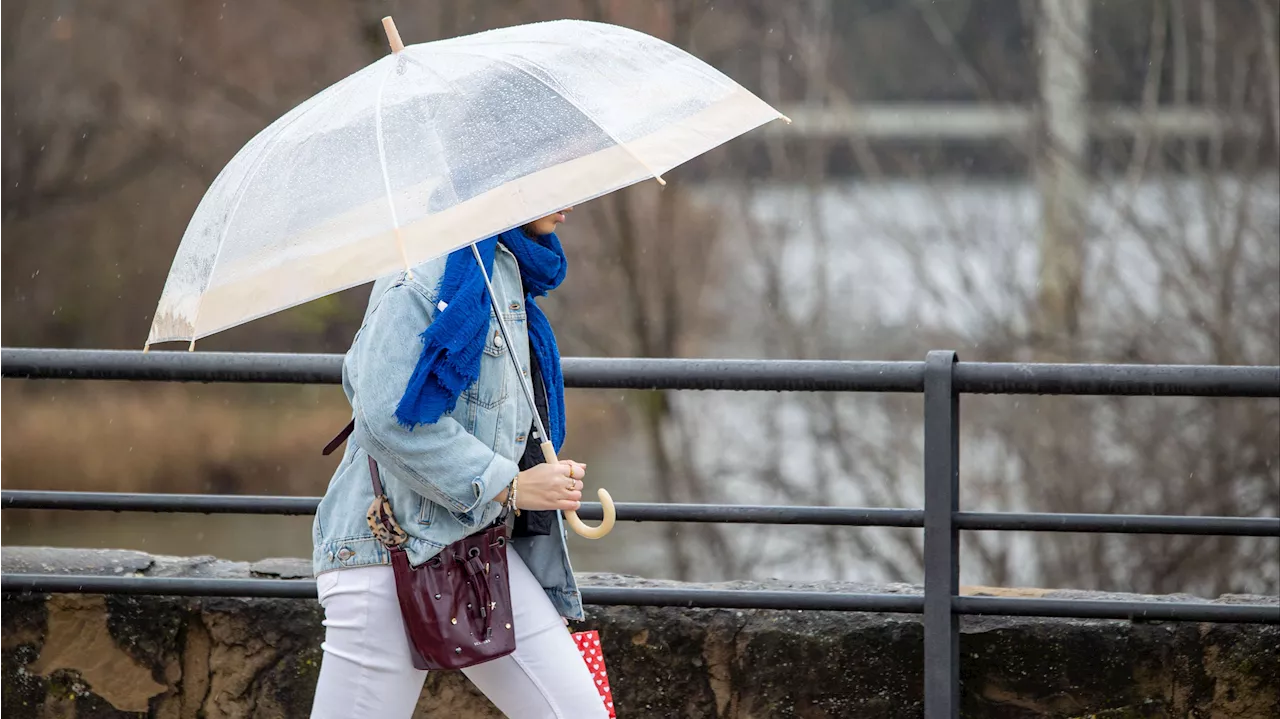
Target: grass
(169,438)
(226,439)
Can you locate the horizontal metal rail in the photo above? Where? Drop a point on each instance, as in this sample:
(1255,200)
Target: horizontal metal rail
(626,511)
(1117,379)
(601,373)
(690,374)
(306,589)
(13,584)
(1112,609)
(253,367)
(179,503)
(941,378)
(1119,523)
(660,512)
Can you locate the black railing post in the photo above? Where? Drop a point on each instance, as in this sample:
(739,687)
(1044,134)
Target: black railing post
(941,537)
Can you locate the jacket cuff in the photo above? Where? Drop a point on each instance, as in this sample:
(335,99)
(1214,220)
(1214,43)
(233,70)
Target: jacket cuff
(497,476)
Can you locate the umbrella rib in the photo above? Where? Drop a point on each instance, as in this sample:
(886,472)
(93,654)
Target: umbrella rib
(382,161)
(565,94)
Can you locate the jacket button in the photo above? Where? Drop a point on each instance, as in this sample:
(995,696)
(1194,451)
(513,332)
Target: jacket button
(345,553)
(497,340)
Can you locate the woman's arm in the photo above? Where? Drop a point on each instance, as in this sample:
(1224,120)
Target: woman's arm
(441,461)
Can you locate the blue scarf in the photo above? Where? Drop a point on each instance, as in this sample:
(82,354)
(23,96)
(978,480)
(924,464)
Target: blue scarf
(454,342)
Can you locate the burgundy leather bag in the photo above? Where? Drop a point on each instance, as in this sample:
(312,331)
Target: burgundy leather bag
(456,606)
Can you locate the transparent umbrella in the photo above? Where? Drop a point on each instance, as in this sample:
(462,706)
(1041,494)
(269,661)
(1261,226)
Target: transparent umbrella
(434,147)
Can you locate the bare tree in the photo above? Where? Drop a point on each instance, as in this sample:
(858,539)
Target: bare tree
(1177,260)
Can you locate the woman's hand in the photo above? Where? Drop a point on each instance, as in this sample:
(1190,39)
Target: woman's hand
(550,486)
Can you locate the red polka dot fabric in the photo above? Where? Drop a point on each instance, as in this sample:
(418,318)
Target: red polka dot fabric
(589,645)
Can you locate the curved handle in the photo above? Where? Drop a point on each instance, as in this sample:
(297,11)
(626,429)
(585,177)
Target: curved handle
(571,517)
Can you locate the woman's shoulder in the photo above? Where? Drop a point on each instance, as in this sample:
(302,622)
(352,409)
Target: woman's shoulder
(423,281)
(425,277)
(412,293)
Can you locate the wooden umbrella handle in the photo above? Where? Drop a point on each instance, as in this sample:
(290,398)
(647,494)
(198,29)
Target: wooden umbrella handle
(570,516)
(393,35)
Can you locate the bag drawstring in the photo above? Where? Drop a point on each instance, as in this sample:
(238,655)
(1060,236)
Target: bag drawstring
(479,586)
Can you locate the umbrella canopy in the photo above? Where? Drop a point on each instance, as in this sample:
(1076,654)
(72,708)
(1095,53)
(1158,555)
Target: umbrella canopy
(436,146)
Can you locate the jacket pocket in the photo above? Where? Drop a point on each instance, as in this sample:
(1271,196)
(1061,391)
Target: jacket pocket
(426,512)
(491,390)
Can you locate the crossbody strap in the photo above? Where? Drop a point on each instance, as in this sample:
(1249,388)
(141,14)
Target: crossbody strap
(375,477)
(380,510)
(381,507)
(337,442)
(339,438)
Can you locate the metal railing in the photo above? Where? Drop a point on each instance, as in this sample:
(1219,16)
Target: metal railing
(941,379)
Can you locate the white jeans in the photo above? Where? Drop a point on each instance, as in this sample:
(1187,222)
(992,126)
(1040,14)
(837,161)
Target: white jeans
(367,672)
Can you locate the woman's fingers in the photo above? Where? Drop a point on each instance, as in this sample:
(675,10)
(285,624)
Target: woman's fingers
(569,505)
(575,470)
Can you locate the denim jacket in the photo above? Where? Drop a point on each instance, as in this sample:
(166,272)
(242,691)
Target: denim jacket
(441,478)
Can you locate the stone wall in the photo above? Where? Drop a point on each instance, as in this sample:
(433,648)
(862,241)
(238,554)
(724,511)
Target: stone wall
(116,656)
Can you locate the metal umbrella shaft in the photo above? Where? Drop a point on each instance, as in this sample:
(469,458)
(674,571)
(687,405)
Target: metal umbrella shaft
(548,449)
(525,384)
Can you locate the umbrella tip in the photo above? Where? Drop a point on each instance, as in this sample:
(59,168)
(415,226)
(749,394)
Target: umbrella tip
(661,181)
(393,35)
(785,119)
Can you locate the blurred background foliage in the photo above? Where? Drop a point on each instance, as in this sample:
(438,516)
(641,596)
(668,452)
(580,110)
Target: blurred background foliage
(1015,179)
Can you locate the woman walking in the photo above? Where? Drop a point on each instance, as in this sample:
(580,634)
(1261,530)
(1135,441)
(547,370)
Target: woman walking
(439,410)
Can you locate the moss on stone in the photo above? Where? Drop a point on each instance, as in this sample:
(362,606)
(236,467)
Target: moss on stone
(1145,710)
(261,657)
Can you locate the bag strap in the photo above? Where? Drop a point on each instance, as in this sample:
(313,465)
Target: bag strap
(338,439)
(375,478)
(381,512)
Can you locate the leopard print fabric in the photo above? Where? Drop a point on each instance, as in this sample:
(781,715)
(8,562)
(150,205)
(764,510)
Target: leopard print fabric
(378,511)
